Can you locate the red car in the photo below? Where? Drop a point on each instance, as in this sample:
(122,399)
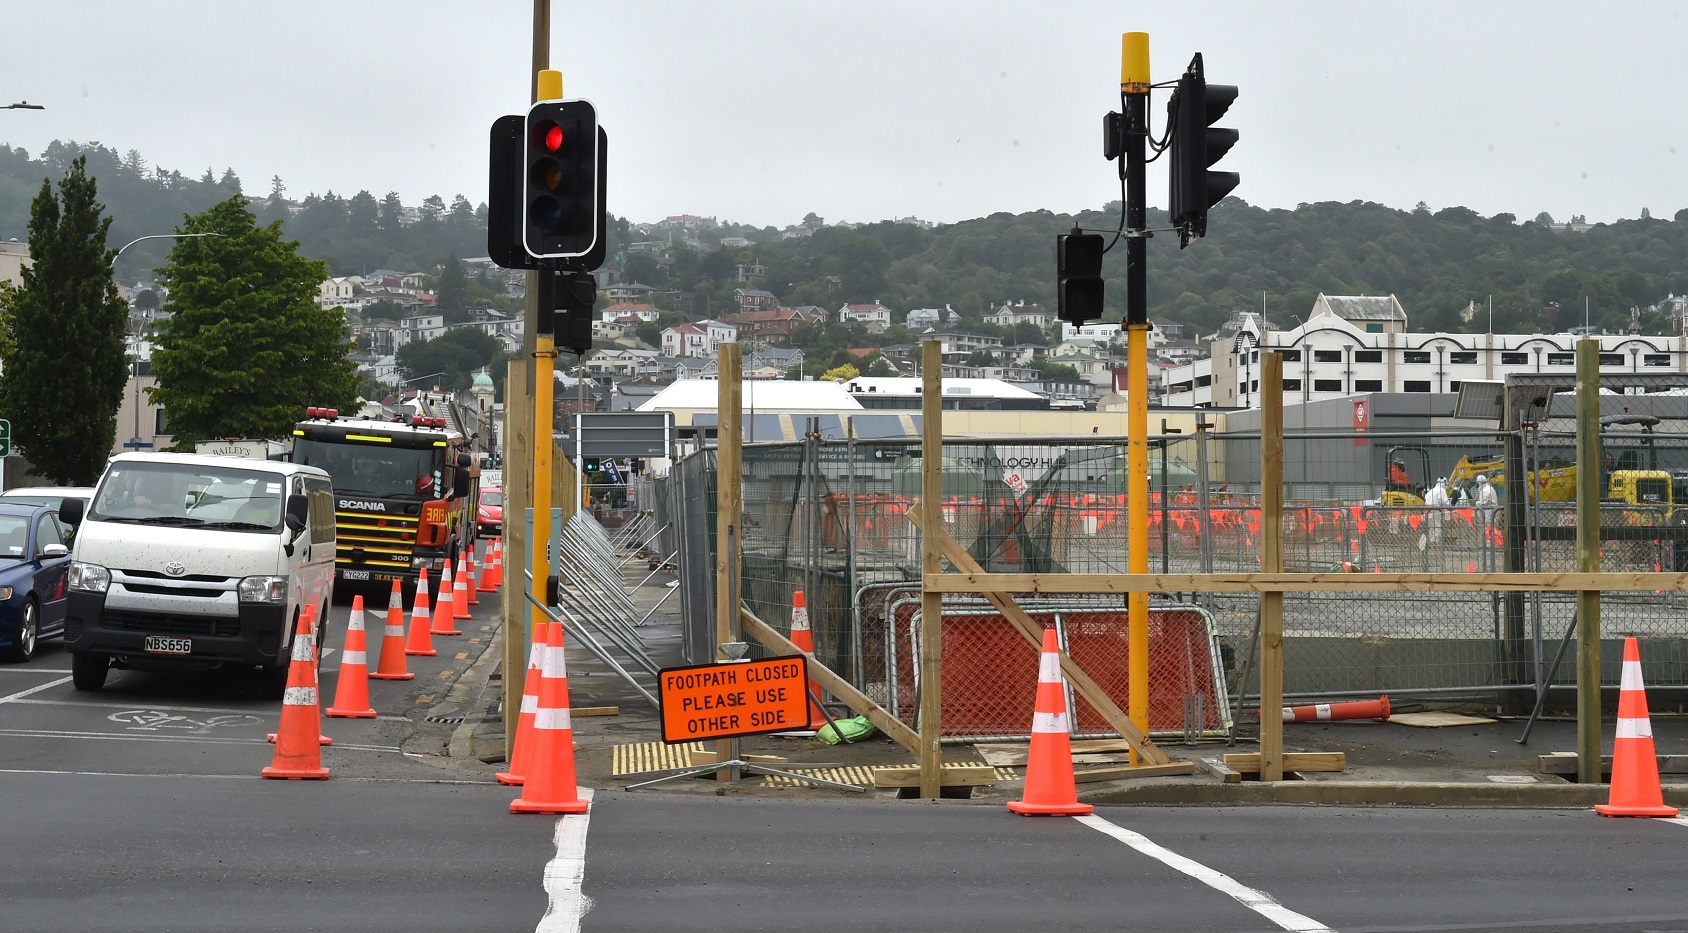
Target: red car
(489,516)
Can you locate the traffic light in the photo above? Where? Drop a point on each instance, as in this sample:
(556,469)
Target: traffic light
(559,204)
(565,307)
(1078,271)
(504,195)
(1196,145)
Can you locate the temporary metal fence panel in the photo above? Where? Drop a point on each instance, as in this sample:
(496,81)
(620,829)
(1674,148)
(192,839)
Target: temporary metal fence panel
(990,670)
(831,518)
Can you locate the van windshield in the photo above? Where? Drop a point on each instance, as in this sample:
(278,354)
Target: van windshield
(190,494)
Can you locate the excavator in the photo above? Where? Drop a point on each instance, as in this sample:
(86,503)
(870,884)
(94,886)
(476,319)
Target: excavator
(1555,481)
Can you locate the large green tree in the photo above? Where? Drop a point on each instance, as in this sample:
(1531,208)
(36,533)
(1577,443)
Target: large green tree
(452,358)
(246,348)
(65,369)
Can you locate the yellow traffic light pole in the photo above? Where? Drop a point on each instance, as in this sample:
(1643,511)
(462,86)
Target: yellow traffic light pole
(1134,90)
(549,87)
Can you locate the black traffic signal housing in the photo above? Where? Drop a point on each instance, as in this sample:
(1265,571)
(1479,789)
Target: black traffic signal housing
(506,197)
(561,211)
(1196,145)
(1078,273)
(566,300)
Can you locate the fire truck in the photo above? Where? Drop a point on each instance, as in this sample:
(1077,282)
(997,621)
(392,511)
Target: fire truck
(404,494)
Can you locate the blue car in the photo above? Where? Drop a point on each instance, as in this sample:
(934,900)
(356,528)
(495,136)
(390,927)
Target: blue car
(34,567)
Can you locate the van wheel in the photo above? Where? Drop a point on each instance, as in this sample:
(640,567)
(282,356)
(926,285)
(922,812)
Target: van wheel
(88,671)
(270,683)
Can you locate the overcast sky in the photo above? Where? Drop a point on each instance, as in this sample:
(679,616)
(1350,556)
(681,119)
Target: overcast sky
(868,110)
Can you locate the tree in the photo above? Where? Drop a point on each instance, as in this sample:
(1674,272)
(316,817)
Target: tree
(247,348)
(147,300)
(455,356)
(842,373)
(452,290)
(64,367)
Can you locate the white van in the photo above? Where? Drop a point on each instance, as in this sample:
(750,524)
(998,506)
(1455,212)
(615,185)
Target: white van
(184,562)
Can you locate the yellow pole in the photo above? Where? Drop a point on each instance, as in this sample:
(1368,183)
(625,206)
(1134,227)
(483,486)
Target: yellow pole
(1137,492)
(1134,88)
(544,412)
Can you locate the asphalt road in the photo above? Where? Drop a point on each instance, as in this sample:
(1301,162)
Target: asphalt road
(139,808)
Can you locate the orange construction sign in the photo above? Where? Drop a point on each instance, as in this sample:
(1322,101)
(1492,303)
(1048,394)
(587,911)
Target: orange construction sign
(717,701)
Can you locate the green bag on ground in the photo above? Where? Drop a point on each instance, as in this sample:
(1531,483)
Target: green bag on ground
(854,729)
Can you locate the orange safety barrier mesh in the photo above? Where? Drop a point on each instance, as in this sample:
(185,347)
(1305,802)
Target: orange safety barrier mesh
(990,671)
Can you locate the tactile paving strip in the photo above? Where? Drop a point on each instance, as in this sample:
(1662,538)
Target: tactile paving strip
(642,757)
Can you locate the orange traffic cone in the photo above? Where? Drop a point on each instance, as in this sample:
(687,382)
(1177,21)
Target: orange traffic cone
(307,623)
(392,664)
(486,585)
(1050,788)
(805,642)
(521,756)
(472,588)
(298,752)
(351,692)
(421,636)
(1359,709)
(443,612)
(1635,769)
(550,785)
(497,563)
(460,591)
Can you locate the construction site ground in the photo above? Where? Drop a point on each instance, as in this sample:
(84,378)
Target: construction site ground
(1470,764)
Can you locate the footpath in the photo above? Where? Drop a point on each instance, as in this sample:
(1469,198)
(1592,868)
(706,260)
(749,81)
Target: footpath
(1477,762)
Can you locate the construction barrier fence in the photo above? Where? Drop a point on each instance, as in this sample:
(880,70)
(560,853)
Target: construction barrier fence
(830,517)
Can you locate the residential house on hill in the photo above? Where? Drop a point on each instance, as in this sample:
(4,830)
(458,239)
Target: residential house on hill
(646,313)
(765,326)
(628,291)
(875,316)
(749,299)
(1011,313)
(922,319)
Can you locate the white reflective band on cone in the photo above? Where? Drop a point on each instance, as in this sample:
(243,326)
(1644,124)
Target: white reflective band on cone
(1635,728)
(1049,722)
(553,665)
(551,719)
(395,631)
(353,657)
(299,696)
(356,623)
(1632,676)
(800,618)
(530,704)
(1049,668)
(302,648)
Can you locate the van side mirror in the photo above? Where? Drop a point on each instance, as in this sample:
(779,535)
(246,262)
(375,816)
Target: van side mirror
(463,460)
(296,519)
(70,511)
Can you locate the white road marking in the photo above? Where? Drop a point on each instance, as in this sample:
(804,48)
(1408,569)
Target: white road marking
(154,737)
(86,704)
(34,670)
(35,689)
(1258,901)
(247,777)
(565,872)
(1678,820)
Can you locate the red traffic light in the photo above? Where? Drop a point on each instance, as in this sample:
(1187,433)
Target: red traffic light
(548,135)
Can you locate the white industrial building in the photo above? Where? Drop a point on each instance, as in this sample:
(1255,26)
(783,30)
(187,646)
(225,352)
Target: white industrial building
(1354,346)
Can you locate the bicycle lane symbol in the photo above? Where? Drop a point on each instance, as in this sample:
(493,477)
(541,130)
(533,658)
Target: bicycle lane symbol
(155,720)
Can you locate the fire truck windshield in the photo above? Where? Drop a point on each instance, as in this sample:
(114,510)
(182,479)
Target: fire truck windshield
(375,469)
